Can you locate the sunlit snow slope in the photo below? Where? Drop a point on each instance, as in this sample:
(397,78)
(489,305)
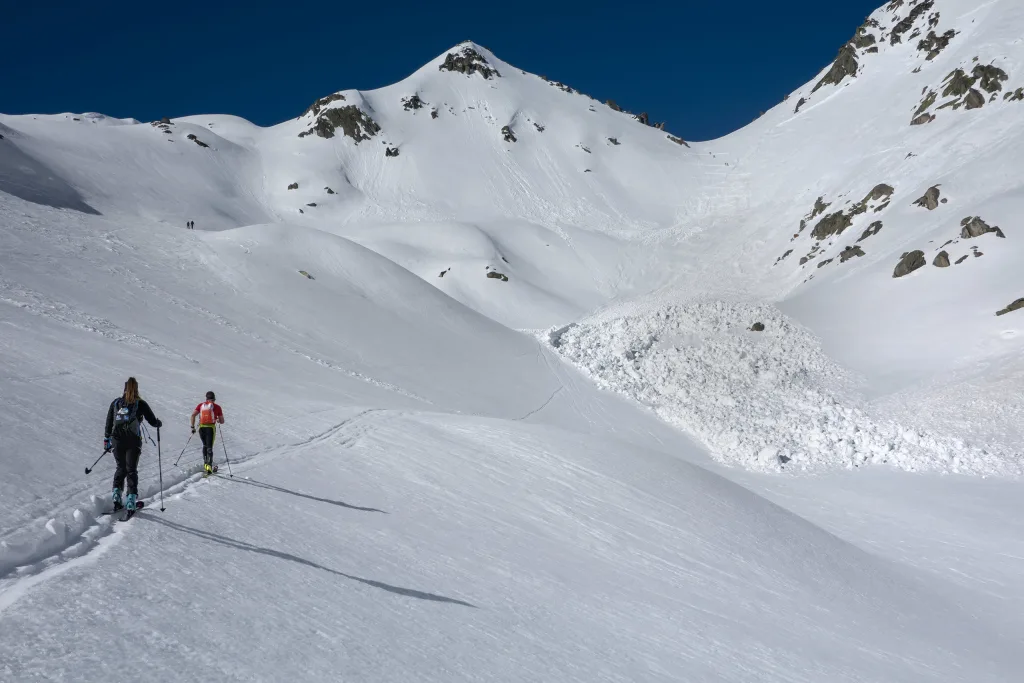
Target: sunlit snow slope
(495,410)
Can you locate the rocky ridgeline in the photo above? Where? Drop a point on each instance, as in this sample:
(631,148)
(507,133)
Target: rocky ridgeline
(468,61)
(961,89)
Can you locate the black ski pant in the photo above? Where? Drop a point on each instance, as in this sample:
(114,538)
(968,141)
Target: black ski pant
(208,434)
(127,450)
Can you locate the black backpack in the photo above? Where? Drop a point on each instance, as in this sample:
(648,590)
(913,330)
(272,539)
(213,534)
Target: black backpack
(126,418)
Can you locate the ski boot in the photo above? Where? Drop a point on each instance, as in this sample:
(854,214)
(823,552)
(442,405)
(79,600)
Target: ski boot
(116,498)
(129,502)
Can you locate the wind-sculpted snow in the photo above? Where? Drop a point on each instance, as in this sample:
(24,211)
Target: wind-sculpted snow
(769,401)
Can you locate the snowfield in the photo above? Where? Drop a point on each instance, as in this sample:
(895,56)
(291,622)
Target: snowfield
(519,387)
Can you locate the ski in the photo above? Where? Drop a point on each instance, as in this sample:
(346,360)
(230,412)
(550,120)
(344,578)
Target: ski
(139,504)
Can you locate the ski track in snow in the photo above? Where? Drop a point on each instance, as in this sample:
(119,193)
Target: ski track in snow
(61,545)
(769,401)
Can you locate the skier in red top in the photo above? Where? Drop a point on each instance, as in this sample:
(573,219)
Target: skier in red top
(210,415)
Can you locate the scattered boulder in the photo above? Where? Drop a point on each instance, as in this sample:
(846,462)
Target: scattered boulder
(443,272)
(991,77)
(923,119)
(495,275)
(352,120)
(196,140)
(434,114)
(391,152)
(850,252)
(322,103)
(166,121)
(614,141)
(1016,96)
(507,134)
(678,141)
(302,272)
(312,204)
(540,128)
(826,262)
(611,105)
(973,226)
(801,102)
(329,190)
(941,260)
(976,253)
(468,61)
(757,327)
(961,259)
(974,100)
(1015,306)
(930,200)
(293,186)
(781,258)
(909,263)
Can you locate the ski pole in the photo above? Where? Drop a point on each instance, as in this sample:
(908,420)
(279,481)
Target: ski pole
(160,464)
(183,449)
(90,469)
(225,450)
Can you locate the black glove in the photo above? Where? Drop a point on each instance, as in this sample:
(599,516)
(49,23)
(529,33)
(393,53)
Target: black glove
(193,430)
(158,424)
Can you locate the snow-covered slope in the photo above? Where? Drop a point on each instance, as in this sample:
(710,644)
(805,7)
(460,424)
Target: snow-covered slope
(422,492)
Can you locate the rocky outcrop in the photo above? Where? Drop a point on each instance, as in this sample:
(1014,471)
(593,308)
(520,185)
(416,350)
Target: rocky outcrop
(507,134)
(941,260)
(909,263)
(961,259)
(322,103)
(922,119)
(196,140)
(1015,306)
(849,253)
(872,230)
(468,61)
(896,36)
(832,224)
(801,102)
(1016,96)
(930,200)
(353,122)
(495,275)
(933,44)
(973,226)
(293,186)
(757,327)
(391,152)
(844,65)
(614,141)
(434,114)
(412,102)
(329,190)
(678,141)
(612,105)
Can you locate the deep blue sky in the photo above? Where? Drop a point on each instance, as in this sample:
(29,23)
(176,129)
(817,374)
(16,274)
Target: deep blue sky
(707,68)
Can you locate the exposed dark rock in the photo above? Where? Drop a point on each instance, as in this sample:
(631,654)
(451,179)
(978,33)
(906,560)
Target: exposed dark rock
(165,120)
(783,257)
(933,44)
(973,226)
(391,152)
(329,190)
(933,20)
(845,65)
(540,128)
(801,102)
(991,77)
(1017,96)
(1015,306)
(584,148)
(974,100)
(614,141)
(320,104)
(507,134)
(412,102)
(923,119)
(312,204)
(908,22)
(443,272)
(894,5)
(293,186)
(826,262)
(977,253)
(832,224)
(468,61)
(863,39)
(757,327)
(352,120)
(961,259)
(643,118)
(849,252)
(611,105)
(196,140)
(958,83)
(872,50)
(930,200)
(909,263)
(678,141)
(941,260)
(495,275)
(433,113)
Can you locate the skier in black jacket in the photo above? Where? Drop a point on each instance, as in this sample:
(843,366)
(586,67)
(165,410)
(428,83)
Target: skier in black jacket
(123,435)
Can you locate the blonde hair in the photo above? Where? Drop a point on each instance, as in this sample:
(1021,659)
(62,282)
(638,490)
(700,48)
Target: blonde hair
(131,391)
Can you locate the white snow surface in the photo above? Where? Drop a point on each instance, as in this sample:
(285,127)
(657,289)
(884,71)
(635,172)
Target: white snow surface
(585,467)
